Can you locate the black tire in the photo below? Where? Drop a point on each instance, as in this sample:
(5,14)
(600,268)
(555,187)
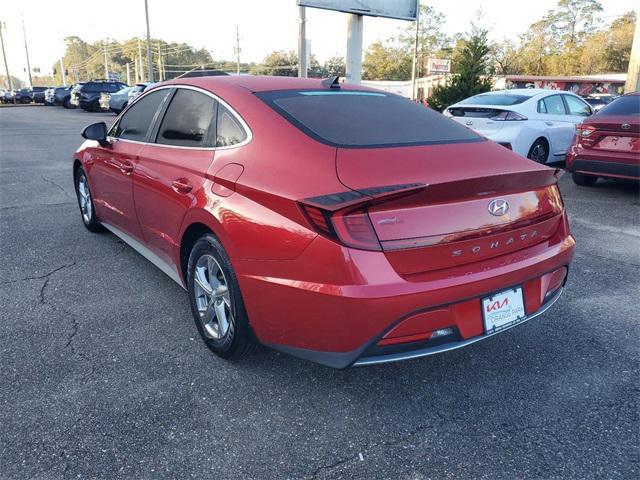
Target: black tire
(238,340)
(584,180)
(539,151)
(88,215)
(66,103)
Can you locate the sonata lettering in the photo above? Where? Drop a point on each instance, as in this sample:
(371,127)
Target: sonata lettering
(497,243)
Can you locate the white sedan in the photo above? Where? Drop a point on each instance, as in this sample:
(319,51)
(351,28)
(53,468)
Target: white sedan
(538,124)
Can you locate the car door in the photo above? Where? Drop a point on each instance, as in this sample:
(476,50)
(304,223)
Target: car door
(112,166)
(557,124)
(577,110)
(170,173)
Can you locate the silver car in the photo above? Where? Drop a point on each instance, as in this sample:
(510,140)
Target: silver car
(118,101)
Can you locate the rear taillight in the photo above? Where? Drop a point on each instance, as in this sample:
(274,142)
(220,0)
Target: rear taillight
(507,116)
(351,227)
(584,130)
(584,134)
(343,217)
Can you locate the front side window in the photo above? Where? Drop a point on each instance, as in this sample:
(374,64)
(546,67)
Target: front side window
(577,106)
(136,121)
(554,105)
(229,131)
(189,121)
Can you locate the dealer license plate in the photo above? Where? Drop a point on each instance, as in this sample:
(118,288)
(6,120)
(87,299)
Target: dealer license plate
(503,310)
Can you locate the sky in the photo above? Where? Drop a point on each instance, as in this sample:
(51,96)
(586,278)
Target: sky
(264,25)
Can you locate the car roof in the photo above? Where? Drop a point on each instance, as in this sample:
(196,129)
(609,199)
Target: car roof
(530,92)
(258,83)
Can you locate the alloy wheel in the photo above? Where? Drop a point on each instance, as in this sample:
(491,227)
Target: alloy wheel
(539,153)
(213,298)
(84,196)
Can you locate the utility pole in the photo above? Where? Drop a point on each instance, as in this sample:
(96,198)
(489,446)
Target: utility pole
(149,58)
(141,64)
(4,56)
(128,74)
(354,49)
(414,66)
(237,50)
(160,76)
(106,65)
(26,50)
(302,44)
(64,78)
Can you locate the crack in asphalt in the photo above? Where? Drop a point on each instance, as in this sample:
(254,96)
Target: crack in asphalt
(35,205)
(67,194)
(40,277)
(437,428)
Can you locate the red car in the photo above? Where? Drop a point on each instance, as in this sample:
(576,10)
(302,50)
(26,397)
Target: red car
(608,143)
(340,224)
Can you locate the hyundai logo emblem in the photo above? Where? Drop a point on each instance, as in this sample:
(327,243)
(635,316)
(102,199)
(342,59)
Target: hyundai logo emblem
(625,126)
(498,207)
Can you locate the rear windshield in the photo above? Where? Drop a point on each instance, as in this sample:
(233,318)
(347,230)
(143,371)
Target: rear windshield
(495,99)
(354,118)
(627,105)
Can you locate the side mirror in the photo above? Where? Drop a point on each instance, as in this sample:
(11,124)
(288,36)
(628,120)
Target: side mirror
(97,132)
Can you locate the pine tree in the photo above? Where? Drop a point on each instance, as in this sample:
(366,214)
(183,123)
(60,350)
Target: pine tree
(472,77)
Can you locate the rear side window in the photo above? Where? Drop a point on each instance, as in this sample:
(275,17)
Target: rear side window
(136,121)
(577,106)
(189,121)
(553,105)
(495,99)
(230,132)
(354,118)
(627,105)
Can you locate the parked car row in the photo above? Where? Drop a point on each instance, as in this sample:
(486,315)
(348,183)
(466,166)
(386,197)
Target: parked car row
(598,136)
(92,96)
(23,95)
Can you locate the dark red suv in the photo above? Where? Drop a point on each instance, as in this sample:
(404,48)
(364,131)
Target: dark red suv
(340,224)
(607,144)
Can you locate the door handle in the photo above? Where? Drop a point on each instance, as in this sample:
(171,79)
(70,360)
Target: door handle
(181,185)
(126,167)
(549,123)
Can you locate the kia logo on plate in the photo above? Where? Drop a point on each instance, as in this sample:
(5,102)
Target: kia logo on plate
(498,207)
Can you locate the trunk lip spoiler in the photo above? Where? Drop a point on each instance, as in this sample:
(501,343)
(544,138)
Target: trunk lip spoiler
(340,200)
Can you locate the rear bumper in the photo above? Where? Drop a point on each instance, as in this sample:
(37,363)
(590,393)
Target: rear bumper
(453,345)
(606,169)
(624,165)
(340,325)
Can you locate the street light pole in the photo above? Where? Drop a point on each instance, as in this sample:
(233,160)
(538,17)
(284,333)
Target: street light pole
(354,49)
(64,78)
(26,49)
(4,56)
(149,59)
(414,66)
(302,44)
(237,50)
(106,65)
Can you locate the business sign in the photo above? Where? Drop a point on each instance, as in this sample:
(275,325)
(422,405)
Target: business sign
(439,66)
(398,9)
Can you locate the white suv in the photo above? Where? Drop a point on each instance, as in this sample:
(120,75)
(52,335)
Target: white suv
(538,124)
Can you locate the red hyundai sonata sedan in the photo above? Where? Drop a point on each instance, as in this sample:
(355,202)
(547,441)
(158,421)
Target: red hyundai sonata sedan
(340,224)
(607,144)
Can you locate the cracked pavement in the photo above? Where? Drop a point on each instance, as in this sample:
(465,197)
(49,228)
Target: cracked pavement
(103,375)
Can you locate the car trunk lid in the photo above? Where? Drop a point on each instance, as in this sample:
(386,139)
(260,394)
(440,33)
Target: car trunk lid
(449,222)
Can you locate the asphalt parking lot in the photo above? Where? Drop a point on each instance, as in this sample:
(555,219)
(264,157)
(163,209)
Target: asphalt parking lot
(103,375)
